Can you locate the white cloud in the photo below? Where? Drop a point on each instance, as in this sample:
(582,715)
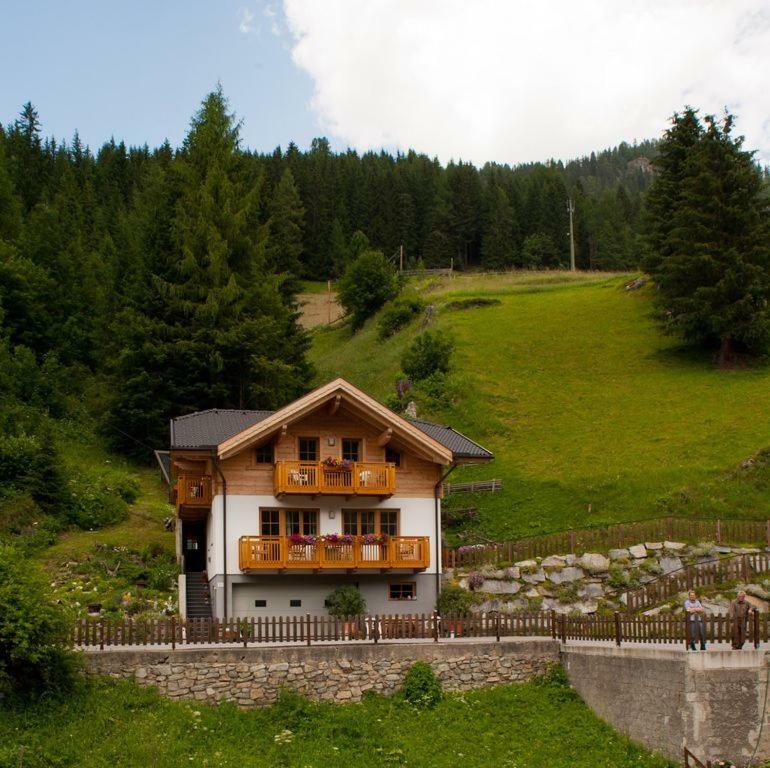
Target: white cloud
(269,13)
(514,81)
(246,23)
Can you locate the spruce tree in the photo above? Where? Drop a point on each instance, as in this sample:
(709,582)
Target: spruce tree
(497,242)
(284,247)
(707,234)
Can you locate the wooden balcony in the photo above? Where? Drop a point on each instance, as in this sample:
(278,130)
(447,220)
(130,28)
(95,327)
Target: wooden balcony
(193,496)
(362,478)
(260,553)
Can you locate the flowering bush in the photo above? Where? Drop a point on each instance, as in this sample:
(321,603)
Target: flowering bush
(374,538)
(336,463)
(298,538)
(475,580)
(338,538)
(466,548)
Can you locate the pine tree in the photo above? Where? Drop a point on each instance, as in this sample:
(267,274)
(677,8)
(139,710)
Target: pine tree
(497,242)
(707,232)
(284,247)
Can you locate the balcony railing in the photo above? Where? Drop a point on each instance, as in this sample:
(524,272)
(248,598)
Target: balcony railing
(362,478)
(258,553)
(193,491)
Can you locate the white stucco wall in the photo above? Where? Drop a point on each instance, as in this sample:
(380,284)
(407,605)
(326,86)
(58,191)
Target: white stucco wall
(417,518)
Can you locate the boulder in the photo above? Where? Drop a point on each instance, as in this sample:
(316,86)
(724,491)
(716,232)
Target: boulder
(545,591)
(670,564)
(723,550)
(619,554)
(745,550)
(593,562)
(653,544)
(554,561)
(585,606)
(526,564)
(506,606)
(638,550)
(499,587)
(758,603)
(570,559)
(512,573)
(532,593)
(674,546)
(591,590)
(534,578)
(566,575)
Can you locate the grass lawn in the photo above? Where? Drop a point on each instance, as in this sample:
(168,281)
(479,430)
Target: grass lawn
(594,416)
(533,725)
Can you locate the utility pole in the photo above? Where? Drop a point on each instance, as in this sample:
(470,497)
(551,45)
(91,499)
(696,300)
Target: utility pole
(401,257)
(571,210)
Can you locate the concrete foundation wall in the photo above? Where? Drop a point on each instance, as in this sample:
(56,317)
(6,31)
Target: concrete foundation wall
(254,676)
(667,699)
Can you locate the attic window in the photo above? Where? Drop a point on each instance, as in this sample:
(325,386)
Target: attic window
(264,454)
(392,456)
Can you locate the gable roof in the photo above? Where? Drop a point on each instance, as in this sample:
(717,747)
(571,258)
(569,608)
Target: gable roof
(230,431)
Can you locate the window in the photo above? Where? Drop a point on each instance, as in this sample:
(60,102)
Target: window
(308,449)
(264,454)
(260,603)
(302,521)
(295,603)
(358,522)
(389,522)
(351,449)
(392,456)
(402,590)
(271,522)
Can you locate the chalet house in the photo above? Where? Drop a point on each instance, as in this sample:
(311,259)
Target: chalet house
(277,509)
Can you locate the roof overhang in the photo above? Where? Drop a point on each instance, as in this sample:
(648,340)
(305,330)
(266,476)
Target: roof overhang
(336,393)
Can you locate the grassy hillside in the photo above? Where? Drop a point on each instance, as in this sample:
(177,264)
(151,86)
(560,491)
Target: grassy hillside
(593,415)
(538,725)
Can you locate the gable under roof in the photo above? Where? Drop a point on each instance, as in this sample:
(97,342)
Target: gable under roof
(206,430)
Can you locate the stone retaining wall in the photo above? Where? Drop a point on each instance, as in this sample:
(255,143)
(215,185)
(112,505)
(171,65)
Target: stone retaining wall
(254,676)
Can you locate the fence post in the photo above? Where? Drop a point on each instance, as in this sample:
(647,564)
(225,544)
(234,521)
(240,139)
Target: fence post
(767,533)
(719,531)
(745,567)
(756,628)
(554,633)
(173,632)
(572,542)
(376,632)
(618,631)
(670,528)
(101,634)
(307,628)
(563,628)
(435,626)
(497,626)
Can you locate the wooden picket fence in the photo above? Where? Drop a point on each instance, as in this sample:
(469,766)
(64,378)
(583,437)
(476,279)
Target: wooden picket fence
(479,485)
(718,571)
(608,537)
(619,628)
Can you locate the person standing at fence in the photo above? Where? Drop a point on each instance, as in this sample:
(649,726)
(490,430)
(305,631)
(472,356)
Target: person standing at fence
(739,619)
(694,608)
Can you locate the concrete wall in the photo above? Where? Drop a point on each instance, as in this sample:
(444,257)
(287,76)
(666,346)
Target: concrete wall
(254,676)
(667,699)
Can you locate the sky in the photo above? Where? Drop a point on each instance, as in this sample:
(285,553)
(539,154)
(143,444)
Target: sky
(505,80)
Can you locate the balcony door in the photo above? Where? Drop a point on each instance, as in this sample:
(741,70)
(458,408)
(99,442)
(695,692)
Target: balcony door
(360,522)
(287,522)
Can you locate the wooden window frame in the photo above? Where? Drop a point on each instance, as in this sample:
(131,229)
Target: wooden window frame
(302,511)
(401,454)
(282,527)
(257,462)
(377,519)
(358,440)
(317,448)
(411,599)
(262,511)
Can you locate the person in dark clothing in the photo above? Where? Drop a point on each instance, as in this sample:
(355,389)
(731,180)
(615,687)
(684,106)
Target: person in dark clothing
(739,619)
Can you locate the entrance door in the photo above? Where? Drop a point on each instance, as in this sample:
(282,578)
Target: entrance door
(194,545)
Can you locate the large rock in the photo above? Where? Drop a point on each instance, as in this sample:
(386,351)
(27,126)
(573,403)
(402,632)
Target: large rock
(512,573)
(674,546)
(532,593)
(638,551)
(565,575)
(593,562)
(526,564)
(570,559)
(499,587)
(619,554)
(506,606)
(723,550)
(554,561)
(653,544)
(534,578)
(670,564)
(591,590)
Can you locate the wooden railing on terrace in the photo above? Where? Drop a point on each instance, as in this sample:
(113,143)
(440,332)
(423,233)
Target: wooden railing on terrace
(193,491)
(618,628)
(258,553)
(603,538)
(718,571)
(361,478)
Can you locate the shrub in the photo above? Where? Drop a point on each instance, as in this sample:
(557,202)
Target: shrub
(454,601)
(428,354)
(35,654)
(346,600)
(539,250)
(161,576)
(369,281)
(421,686)
(397,314)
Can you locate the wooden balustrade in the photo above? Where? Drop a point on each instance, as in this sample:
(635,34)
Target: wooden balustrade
(257,553)
(361,478)
(193,491)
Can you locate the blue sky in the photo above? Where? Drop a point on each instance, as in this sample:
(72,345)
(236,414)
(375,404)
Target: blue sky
(137,70)
(477,81)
